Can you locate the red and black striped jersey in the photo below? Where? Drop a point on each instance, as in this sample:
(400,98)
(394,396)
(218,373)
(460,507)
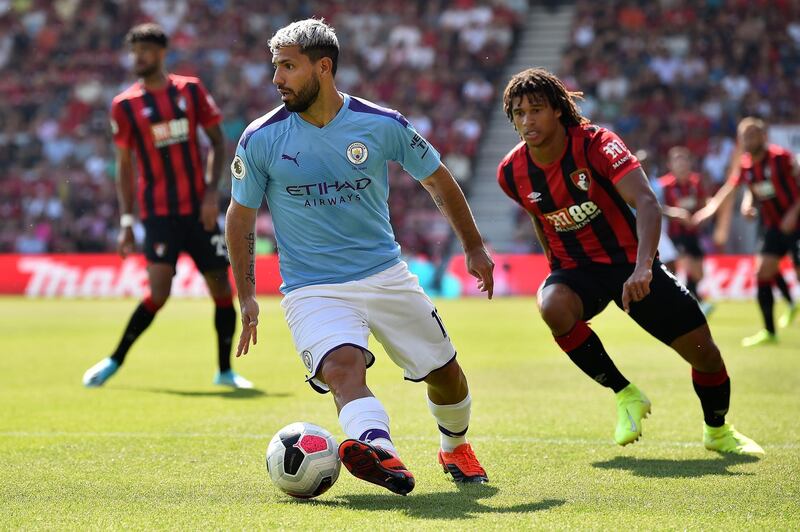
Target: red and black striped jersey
(773,182)
(161,127)
(689,194)
(584,218)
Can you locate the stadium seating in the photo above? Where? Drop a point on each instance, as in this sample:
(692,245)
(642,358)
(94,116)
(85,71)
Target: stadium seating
(62,62)
(681,72)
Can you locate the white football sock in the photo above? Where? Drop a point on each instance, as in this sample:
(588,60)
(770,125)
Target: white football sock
(365,419)
(454,419)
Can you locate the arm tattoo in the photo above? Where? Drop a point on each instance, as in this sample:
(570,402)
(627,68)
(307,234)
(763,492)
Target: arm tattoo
(251,248)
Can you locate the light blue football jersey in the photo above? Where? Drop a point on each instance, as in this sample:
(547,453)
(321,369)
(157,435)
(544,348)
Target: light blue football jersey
(327,188)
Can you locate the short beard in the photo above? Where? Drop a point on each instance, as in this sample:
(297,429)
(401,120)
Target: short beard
(305,97)
(146,72)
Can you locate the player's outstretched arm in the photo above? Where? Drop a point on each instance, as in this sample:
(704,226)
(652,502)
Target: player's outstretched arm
(636,191)
(722,197)
(450,199)
(677,213)
(240,233)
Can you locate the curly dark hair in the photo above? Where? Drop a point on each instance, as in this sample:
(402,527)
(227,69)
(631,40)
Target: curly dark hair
(147,32)
(539,83)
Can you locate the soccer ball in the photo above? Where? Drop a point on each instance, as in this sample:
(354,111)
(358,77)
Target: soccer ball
(303,460)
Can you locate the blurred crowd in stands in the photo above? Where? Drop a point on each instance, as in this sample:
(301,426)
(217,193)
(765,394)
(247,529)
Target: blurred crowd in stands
(61,62)
(660,73)
(684,72)
(680,72)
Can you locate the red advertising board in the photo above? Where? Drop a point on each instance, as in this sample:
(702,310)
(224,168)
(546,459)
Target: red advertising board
(107,275)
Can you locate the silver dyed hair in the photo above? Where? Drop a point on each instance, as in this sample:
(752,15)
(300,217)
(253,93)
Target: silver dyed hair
(310,35)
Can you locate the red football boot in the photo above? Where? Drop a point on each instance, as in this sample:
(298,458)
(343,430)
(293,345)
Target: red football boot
(463,464)
(377,465)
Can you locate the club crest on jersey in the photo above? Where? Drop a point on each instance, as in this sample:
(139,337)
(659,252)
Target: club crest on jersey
(307,360)
(357,153)
(581,178)
(238,168)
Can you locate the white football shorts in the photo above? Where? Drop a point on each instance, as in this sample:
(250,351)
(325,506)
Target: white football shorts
(390,304)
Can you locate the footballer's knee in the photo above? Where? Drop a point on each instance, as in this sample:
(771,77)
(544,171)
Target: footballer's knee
(560,308)
(159,293)
(448,384)
(450,372)
(344,370)
(160,277)
(158,300)
(766,269)
(696,270)
(218,284)
(699,349)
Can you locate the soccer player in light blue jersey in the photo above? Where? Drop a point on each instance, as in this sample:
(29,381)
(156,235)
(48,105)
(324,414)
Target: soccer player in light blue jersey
(321,161)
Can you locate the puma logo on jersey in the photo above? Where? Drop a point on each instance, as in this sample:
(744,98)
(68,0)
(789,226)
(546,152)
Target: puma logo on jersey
(290,158)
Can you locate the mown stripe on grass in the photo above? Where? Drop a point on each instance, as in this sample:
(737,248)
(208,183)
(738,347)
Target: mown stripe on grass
(245,436)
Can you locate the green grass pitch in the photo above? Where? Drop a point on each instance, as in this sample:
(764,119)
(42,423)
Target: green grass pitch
(161,448)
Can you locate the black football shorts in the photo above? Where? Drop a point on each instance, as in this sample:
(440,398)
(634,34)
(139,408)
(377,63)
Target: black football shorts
(668,312)
(166,236)
(688,245)
(776,242)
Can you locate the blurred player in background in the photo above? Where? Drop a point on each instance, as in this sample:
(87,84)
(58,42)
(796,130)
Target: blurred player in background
(321,160)
(771,176)
(157,118)
(578,183)
(750,212)
(683,195)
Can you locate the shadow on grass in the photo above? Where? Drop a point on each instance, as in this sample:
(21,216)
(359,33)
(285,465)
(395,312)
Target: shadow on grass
(463,504)
(225,393)
(664,468)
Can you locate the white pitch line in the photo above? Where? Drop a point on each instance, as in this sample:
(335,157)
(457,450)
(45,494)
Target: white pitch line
(265,437)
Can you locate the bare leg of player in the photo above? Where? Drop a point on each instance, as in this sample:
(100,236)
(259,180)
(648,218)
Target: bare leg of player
(368,453)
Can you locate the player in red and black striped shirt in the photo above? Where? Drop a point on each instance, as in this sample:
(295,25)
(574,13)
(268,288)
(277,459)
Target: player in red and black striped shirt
(684,195)
(772,178)
(157,119)
(577,181)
